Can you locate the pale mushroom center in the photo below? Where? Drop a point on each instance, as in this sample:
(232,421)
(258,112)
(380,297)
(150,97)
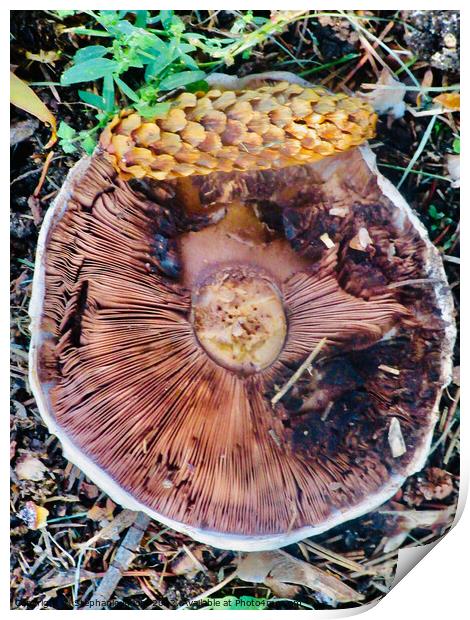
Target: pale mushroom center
(239,319)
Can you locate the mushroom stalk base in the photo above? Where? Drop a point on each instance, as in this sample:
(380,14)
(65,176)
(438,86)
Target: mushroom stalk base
(238,318)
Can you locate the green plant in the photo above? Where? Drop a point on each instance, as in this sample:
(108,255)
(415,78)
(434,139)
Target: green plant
(135,65)
(141,57)
(439,219)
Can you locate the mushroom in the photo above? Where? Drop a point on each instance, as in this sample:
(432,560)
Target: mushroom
(184,276)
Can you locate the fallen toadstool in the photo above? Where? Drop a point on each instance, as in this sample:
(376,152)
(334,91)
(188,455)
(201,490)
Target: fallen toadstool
(238,325)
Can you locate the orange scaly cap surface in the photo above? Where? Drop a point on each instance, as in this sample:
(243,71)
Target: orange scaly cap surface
(270,127)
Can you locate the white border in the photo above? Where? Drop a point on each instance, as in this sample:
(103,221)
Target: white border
(438,587)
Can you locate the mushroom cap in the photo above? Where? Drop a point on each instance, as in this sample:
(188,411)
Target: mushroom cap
(123,375)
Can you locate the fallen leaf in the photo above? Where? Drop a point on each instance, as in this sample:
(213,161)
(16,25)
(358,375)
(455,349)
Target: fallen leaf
(66,578)
(408,520)
(24,97)
(432,484)
(388,100)
(48,58)
(90,490)
(449,101)
(102,513)
(29,467)
(283,590)
(188,564)
(112,530)
(284,568)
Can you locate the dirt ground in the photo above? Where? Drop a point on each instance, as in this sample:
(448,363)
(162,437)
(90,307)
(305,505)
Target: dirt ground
(52,566)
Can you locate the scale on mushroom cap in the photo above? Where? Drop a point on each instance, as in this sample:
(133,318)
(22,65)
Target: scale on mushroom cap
(188,270)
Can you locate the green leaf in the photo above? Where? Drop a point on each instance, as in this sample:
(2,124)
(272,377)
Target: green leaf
(25,261)
(88,144)
(125,28)
(159,110)
(434,213)
(166,18)
(88,31)
(92,99)
(65,131)
(108,92)
(89,71)
(178,80)
(456,145)
(127,90)
(90,52)
(67,134)
(157,46)
(141,18)
(199,86)
(63,14)
(68,147)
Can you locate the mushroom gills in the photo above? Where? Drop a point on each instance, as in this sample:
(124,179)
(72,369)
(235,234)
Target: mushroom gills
(165,400)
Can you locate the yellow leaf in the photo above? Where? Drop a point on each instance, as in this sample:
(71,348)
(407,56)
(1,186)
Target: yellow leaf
(25,98)
(49,58)
(449,101)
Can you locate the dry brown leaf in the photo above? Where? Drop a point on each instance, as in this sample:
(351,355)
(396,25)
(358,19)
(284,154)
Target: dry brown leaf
(388,100)
(284,568)
(90,490)
(111,531)
(29,467)
(101,513)
(283,590)
(432,484)
(66,578)
(188,564)
(408,520)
